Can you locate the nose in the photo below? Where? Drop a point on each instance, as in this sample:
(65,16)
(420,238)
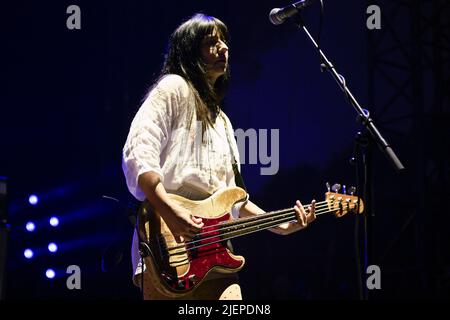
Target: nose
(223,48)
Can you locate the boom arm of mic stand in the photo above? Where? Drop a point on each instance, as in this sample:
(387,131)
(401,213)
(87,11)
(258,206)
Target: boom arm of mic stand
(365,119)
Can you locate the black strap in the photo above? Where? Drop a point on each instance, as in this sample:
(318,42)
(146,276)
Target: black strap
(239,181)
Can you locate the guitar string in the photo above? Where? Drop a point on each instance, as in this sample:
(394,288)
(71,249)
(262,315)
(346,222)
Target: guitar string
(238,222)
(245,229)
(262,218)
(228,235)
(247,219)
(254,220)
(267,226)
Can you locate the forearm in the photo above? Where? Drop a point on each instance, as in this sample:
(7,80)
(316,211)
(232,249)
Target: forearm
(180,221)
(154,191)
(250,209)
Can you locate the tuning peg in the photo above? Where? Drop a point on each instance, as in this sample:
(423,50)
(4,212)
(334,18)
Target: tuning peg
(352,190)
(328,186)
(336,187)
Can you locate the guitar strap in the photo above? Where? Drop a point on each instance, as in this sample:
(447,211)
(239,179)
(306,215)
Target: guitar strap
(239,181)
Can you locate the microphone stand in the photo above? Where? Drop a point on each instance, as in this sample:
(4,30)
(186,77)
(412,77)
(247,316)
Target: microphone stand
(364,143)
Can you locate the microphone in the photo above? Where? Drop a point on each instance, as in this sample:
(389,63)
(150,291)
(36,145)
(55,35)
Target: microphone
(277,15)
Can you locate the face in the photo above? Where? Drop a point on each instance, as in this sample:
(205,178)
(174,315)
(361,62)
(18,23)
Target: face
(215,54)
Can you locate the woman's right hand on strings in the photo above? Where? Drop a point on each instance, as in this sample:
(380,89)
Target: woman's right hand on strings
(180,221)
(182,224)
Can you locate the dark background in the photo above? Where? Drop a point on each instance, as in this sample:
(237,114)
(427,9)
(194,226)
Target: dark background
(68,98)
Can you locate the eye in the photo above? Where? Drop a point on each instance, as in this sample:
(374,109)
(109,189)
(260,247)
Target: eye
(212,42)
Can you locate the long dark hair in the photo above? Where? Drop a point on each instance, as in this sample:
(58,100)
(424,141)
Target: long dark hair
(184,58)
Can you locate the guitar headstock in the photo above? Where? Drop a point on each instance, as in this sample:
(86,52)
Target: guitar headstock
(342,203)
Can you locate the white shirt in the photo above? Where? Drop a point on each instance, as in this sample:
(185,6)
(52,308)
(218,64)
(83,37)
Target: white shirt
(165,138)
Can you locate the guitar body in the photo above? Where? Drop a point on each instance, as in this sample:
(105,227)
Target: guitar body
(178,268)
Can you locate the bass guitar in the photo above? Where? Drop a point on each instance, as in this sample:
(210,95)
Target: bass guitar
(178,268)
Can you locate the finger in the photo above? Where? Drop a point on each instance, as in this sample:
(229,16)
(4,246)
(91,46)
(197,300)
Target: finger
(196,227)
(196,222)
(300,206)
(311,216)
(304,213)
(301,216)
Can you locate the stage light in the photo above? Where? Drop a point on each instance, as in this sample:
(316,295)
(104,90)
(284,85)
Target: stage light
(30,226)
(54,221)
(33,200)
(52,247)
(50,273)
(28,253)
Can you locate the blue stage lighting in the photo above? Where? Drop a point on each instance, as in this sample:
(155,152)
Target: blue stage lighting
(50,273)
(54,221)
(28,253)
(33,200)
(52,247)
(30,226)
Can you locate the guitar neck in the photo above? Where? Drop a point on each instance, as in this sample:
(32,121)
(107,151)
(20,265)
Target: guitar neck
(338,204)
(244,226)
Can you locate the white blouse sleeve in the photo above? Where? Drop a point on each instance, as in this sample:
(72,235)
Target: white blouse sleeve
(150,130)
